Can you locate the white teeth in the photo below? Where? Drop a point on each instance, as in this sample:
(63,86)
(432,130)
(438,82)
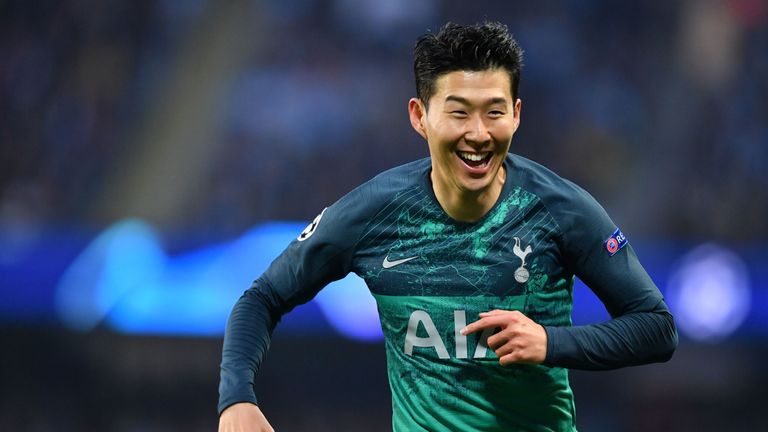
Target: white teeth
(474,157)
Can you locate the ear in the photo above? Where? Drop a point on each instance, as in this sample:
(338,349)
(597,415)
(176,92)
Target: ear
(516,114)
(417,113)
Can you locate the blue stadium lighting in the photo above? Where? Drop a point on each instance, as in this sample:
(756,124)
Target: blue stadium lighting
(710,293)
(350,309)
(125,280)
(117,263)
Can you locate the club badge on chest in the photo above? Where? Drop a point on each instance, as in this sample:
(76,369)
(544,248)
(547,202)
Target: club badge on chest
(521,274)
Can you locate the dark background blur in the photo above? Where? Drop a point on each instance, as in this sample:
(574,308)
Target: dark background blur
(204,118)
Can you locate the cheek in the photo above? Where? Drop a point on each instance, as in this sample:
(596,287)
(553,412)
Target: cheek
(502,132)
(440,149)
(439,134)
(448,131)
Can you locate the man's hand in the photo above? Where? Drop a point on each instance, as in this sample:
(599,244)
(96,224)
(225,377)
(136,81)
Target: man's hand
(243,417)
(520,340)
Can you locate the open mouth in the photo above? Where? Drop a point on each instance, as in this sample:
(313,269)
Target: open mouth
(475,160)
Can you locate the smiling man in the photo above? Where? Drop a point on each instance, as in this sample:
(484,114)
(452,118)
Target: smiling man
(468,123)
(471,256)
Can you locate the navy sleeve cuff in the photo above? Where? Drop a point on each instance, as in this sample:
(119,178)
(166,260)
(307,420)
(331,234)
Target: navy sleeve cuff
(551,344)
(226,403)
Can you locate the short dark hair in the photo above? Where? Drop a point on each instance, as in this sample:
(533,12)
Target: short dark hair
(465,47)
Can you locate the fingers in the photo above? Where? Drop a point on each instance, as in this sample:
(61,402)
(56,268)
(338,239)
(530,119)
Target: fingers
(493,312)
(519,340)
(512,314)
(491,319)
(499,339)
(506,342)
(483,323)
(512,353)
(508,359)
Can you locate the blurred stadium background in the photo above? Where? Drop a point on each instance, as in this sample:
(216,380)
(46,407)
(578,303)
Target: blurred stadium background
(155,155)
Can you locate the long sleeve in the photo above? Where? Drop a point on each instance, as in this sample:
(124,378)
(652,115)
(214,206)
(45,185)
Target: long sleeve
(627,340)
(642,329)
(321,254)
(246,341)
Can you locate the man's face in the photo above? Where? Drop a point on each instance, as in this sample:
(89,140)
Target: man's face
(469,127)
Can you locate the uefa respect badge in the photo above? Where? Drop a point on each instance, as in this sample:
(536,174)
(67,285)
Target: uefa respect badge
(615,242)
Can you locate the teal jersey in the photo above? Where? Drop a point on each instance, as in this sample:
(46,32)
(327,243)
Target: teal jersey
(431,276)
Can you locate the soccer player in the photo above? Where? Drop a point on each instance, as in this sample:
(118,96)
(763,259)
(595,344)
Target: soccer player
(471,256)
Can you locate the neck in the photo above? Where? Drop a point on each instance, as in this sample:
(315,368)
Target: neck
(467,206)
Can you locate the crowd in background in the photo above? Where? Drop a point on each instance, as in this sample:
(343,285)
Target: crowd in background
(658,108)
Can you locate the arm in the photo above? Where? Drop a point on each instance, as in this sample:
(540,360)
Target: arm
(633,339)
(318,257)
(246,341)
(641,330)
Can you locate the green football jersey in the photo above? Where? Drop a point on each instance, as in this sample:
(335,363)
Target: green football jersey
(431,276)
(441,380)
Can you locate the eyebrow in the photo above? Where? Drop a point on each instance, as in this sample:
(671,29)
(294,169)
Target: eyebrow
(461,100)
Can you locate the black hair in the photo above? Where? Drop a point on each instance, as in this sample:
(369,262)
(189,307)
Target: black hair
(465,47)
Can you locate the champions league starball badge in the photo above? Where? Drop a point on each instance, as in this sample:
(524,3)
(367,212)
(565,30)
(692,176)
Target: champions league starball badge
(310,229)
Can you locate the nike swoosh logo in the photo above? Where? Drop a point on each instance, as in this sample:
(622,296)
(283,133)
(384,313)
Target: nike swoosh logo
(389,264)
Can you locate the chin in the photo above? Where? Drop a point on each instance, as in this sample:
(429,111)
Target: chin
(476,186)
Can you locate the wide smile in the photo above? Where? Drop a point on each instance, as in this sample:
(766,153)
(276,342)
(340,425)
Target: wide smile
(476,163)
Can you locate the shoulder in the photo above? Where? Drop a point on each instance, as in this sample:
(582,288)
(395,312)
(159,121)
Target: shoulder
(394,180)
(567,202)
(543,182)
(370,196)
(348,216)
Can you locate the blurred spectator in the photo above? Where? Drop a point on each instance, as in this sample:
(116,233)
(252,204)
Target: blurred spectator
(657,108)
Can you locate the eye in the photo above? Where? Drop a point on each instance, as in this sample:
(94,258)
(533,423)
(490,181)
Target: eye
(496,113)
(458,113)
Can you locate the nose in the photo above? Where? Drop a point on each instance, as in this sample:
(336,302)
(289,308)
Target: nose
(477,131)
